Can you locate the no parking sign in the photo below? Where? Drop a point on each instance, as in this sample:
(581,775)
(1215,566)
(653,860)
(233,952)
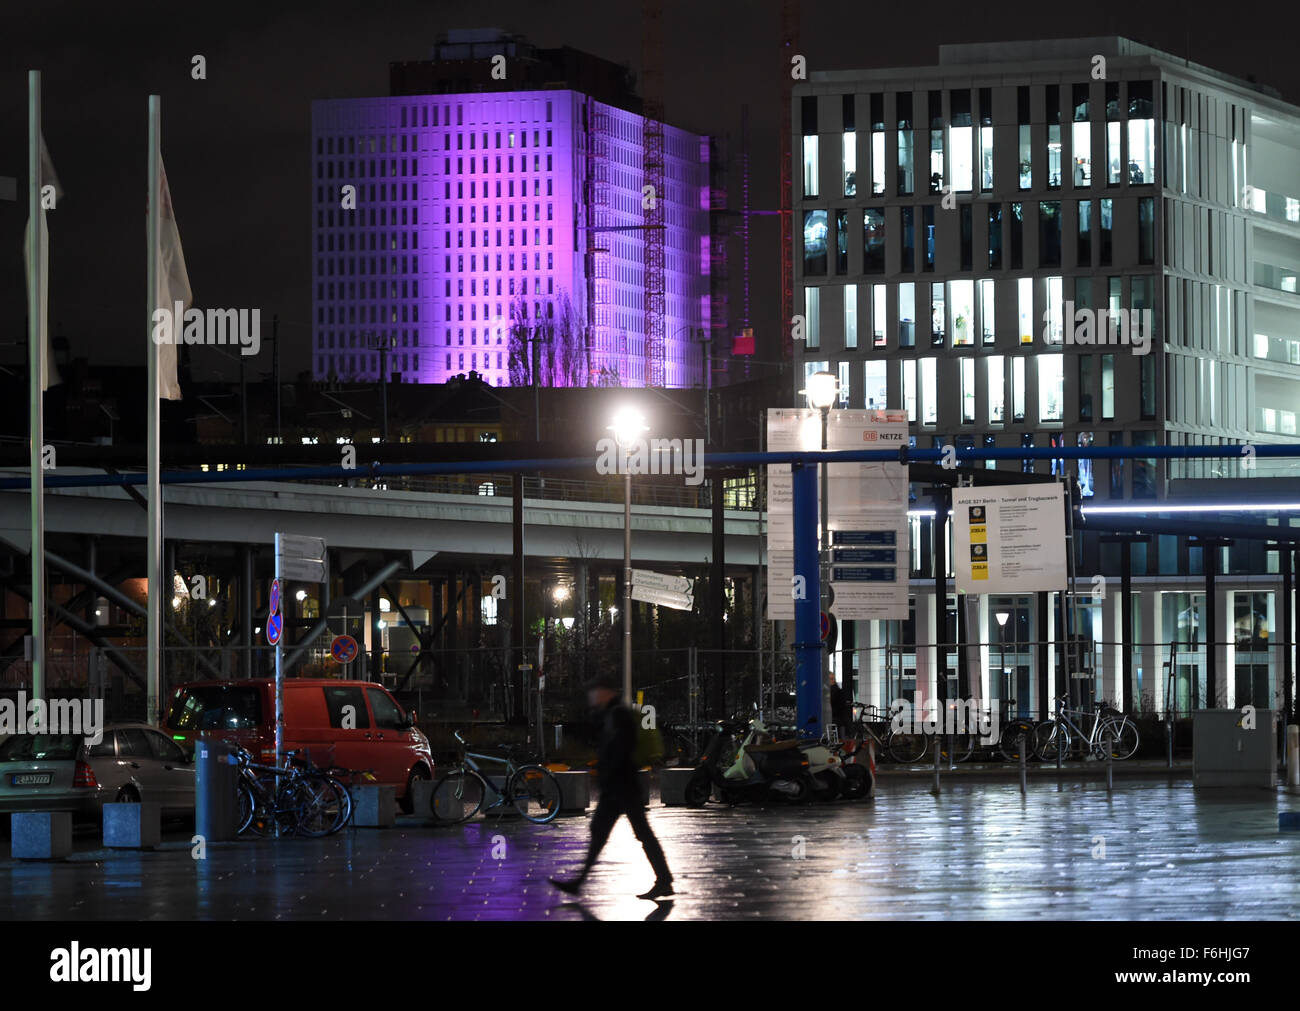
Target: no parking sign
(343,649)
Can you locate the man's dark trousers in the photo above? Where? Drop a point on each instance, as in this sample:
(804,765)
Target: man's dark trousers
(615,802)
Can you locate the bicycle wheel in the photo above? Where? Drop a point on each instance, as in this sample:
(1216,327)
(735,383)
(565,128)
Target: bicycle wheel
(906,749)
(962,746)
(1016,736)
(458,796)
(322,805)
(345,805)
(1049,739)
(1123,738)
(535,793)
(246,807)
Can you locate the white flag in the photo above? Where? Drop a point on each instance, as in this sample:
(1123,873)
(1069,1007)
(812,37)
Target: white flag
(174,293)
(47,178)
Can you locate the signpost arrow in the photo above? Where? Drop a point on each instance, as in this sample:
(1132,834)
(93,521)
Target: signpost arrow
(664,598)
(650,580)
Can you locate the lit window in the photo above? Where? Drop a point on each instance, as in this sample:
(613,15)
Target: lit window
(997,389)
(1051,387)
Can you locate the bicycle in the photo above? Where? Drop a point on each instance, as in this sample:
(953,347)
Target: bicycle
(338,779)
(300,803)
(531,789)
(1112,734)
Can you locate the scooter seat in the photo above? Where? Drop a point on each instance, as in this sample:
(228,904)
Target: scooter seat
(774,746)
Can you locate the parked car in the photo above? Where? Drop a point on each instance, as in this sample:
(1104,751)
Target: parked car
(133,762)
(353,724)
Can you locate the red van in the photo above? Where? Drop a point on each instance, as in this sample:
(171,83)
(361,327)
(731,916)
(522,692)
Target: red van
(353,724)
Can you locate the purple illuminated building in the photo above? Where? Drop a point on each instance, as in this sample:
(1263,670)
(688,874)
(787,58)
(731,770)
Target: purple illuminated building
(485,233)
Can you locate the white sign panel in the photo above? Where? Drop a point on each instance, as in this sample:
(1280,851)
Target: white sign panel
(1009,538)
(664,598)
(659,581)
(788,430)
(299,546)
(300,558)
(867,513)
(870,560)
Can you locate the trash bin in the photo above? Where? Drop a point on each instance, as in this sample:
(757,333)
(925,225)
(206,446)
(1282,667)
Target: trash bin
(215,790)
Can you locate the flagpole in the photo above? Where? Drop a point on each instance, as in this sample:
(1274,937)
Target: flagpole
(156,586)
(36,344)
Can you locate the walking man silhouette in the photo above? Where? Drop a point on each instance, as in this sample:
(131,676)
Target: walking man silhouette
(620,793)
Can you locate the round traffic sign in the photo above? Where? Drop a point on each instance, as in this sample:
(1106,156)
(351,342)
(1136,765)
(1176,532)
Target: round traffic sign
(343,649)
(826,625)
(275,596)
(274,628)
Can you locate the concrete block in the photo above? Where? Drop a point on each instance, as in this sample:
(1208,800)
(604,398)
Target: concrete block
(1226,753)
(132,826)
(643,780)
(422,799)
(1288,820)
(41,835)
(575,790)
(672,786)
(374,805)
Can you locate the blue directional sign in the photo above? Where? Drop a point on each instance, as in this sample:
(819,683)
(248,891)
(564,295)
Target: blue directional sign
(858,556)
(887,538)
(864,575)
(274,628)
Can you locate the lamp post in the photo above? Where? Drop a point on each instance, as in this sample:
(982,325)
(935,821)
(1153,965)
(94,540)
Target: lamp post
(382,343)
(1002,617)
(628,424)
(822,390)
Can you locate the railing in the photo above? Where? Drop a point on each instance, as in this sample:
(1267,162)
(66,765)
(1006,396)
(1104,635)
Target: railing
(644,492)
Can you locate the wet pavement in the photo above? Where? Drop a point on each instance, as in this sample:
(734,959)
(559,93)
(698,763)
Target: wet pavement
(1152,849)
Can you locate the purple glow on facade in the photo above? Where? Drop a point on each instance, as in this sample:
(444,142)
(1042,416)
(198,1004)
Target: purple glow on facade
(471,207)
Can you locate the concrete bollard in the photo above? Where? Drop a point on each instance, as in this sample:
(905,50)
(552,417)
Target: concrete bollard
(575,790)
(421,799)
(40,835)
(374,805)
(1110,766)
(1024,768)
(643,781)
(1293,755)
(938,757)
(132,826)
(672,786)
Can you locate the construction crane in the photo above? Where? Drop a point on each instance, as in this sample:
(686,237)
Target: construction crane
(652,167)
(789,48)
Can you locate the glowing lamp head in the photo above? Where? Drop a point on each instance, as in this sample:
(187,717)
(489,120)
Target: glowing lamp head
(560,593)
(1002,617)
(822,389)
(628,424)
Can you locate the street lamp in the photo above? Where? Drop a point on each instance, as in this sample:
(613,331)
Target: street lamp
(1002,617)
(822,390)
(628,424)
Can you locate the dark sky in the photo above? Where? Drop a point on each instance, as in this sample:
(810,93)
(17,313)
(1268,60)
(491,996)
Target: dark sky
(237,145)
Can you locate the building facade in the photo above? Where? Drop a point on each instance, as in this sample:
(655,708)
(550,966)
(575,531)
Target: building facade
(482,218)
(1068,243)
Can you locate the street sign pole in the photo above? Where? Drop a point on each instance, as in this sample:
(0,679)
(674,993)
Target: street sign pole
(280,677)
(808,647)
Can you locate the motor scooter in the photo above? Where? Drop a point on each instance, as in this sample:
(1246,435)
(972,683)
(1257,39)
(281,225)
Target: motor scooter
(822,771)
(782,772)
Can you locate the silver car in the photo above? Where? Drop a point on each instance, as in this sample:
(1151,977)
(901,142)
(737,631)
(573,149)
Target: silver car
(58,772)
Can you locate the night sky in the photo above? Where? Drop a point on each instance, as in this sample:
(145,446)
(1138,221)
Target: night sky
(236,146)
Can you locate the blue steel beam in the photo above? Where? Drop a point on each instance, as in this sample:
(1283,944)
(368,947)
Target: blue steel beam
(807,607)
(378,470)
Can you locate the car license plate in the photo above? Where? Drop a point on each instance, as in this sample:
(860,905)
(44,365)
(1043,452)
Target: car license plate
(32,778)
